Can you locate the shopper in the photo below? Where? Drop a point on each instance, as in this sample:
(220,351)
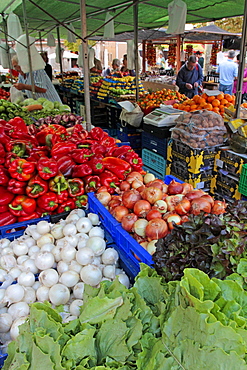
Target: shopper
(48,67)
(189,77)
(244,87)
(200,58)
(115,68)
(124,68)
(228,72)
(43,86)
(97,68)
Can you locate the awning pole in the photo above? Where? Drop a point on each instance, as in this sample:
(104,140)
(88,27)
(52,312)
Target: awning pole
(85,64)
(178,53)
(40,40)
(8,52)
(28,47)
(136,51)
(241,62)
(143,56)
(59,52)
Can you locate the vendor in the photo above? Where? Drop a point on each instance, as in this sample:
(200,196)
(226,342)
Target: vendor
(43,86)
(115,68)
(124,68)
(189,77)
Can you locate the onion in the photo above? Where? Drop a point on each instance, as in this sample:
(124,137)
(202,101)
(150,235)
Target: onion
(194,194)
(62,267)
(35,286)
(69,278)
(71,240)
(128,221)
(7,250)
(78,211)
(20,248)
(156,229)
(30,295)
(84,256)
(57,231)
(56,251)
(42,293)
(187,188)
(208,198)
(141,208)
(47,247)
(130,197)
(151,247)
(78,290)
(152,194)
(22,259)
(97,245)
(59,294)
(5,322)
(157,183)
(148,178)
(119,212)
(7,262)
(32,230)
(114,202)
(68,253)
(44,260)
(30,242)
(139,239)
(124,186)
(91,275)
(173,200)
(175,188)
(110,256)
(84,225)
(160,206)
(32,250)
(26,279)
(43,227)
(94,218)
(123,279)
(198,205)
(17,310)
(14,293)
(74,308)
(219,207)
(173,219)
(104,197)
(136,184)
(134,175)
(140,227)
(96,231)
(4,243)
(2,297)
(109,271)
(75,266)
(182,207)
(184,218)
(14,272)
(70,229)
(48,277)
(14,331)
(82,240)
(44,239)
(73,218)
(153,213)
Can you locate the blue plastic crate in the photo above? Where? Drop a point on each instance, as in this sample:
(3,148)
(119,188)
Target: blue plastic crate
(156,174)
(2,359)
(169,178)
(128,129)
(155,144)
(134,139)
(154,161)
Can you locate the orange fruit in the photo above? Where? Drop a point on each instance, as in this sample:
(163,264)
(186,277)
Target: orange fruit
(220,96)
(215,103)
(204,96)
(224,102)
(196,98)
(193,107)
(202,105)
(210,99)
(228,97)
(187,108)
(216,109)
(208,106)
(175,105)
(201,101)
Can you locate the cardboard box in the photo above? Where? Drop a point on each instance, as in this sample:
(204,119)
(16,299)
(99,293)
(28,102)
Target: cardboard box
(229,161)
(157,86)
(193,159)
(227,185)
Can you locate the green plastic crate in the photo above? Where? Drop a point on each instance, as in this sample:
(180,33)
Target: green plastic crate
(242,187)
(154,161)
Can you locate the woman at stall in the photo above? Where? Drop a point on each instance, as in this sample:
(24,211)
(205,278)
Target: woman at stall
(43,86)
(115,70)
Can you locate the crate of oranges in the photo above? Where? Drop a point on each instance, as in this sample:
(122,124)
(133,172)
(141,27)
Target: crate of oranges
(215,103)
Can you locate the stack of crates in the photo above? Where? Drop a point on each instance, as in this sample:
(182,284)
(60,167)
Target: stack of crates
(229,166)
(113,114)
(131,134)
(154,149)
(98,114)
(195,166)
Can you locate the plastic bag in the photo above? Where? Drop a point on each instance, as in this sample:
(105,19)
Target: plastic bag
(22,54)
(200,129)
(16,96)
(133,118)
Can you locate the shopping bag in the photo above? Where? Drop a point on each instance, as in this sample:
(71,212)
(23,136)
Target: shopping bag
(16,96)
(131,113)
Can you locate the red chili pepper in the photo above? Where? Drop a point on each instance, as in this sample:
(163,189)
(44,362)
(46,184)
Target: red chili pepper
(81,170)
(134,160)
(97,134)
(5,196)
(47,168)
(65,165)
(4,176)
(81,155)
(81,201)
(6,218)
(109,180)
(92,183)
(22,206)
(17,187)
(76,187)
(58,183)
(19,124)
(117,152)
(36,187)
(61,149)
(63,196)
(66,206)
(97,165)
(48,202)
(29,217)
(118,166)
(21,169)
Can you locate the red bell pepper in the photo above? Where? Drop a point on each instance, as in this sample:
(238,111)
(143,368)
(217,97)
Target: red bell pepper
(118,166)
(19,124)
(81,201)
(21,169)
(5,196)
(19,147)
(63,196)
(10,157)
(4,208)
(97,134)
(82,170)
(4,139)
(119,151)
(61,149)
(36,187)
(76,187)
(108,141)
(17,187)
(37,153)
(19,135)
(96,164)
(6,218)
(48,202)
(98,149)
(22,206)
(58,183)
(109,180)
(66,206)
(4,176)
(47,168)
(92,183)
(81,155)
(65,165)
(2,154)
(31,216)
(134,160)
(44,137)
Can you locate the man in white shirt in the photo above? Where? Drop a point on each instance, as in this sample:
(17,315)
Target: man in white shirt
(228,72)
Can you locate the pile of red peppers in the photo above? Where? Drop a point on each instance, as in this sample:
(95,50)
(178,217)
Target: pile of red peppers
(49,170)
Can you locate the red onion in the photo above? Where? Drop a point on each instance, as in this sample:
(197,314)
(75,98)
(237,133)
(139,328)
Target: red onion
(183,207)
(134,176)
(198,205)
(173,218)
(156,229)
(153,213)
(175,188)
(118,212)
(219,207)
(128,222)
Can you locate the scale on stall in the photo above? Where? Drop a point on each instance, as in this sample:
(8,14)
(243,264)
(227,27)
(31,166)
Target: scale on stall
(163,116)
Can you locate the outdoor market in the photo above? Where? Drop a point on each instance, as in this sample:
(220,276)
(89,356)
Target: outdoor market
(123,180)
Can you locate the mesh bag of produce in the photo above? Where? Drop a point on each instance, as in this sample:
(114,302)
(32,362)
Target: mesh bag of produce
(200,129)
